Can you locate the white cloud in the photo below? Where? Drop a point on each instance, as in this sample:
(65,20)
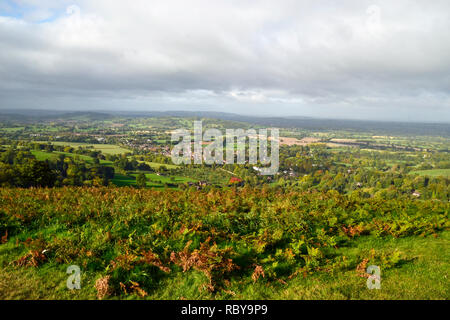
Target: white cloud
(390,58)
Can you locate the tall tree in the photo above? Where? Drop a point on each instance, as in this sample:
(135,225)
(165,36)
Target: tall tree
(141,180)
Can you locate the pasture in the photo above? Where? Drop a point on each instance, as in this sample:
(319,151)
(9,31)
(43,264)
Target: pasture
(104,148)
(153,180)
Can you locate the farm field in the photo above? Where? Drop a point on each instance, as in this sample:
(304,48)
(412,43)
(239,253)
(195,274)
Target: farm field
(104,148)
(153,180)
(158,165)
(166,179)
(14,129)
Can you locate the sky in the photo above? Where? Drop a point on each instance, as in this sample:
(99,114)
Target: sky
(373,60)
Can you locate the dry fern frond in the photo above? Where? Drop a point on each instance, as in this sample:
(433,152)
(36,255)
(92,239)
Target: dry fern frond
(259,272)
(103,288)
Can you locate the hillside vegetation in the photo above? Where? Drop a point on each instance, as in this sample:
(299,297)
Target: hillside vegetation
(223,244)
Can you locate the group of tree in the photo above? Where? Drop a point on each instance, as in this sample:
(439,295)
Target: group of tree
(19,167)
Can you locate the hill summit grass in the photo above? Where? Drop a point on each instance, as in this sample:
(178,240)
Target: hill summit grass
(249,243)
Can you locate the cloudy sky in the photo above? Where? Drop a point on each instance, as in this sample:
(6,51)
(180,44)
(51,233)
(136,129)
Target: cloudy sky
(356,59)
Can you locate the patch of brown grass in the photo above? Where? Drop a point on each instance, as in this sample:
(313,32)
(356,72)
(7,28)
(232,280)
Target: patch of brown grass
(103,287)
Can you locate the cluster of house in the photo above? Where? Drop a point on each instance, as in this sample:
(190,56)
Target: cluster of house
(149,146)
(288,173)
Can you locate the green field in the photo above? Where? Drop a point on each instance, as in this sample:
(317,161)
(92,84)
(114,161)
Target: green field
(42,155)
(432,172)
(155,165)
(154,180)
(122,180)
(167,179)
(14,129)
(104,148)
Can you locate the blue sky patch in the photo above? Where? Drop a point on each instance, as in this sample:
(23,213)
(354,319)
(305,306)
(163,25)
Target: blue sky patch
(31,13)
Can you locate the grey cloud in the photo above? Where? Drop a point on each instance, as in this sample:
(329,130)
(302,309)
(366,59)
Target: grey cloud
(387,59)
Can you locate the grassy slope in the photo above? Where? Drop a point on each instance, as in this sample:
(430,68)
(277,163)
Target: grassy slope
(425,276)
(74,221)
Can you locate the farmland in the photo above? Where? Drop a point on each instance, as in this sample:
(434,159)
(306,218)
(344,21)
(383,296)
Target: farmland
(104,148)
(102,193)
(153,180)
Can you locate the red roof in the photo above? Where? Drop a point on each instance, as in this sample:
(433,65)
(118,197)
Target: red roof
(235,180)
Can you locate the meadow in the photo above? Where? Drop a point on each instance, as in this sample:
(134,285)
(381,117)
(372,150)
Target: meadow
(43,155)
(156,165)
(153,180)
(104,148)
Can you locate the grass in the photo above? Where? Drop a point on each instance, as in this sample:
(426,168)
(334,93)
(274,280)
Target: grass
(107,231)
(432,172)
(122,180)
(13,129)
(425,275)
(156,165)
(42,155)
(165,179)
(104,148)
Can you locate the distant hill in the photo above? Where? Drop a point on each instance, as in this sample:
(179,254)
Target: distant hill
(33,114)
(384,127)
(377,127)
(86,115)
